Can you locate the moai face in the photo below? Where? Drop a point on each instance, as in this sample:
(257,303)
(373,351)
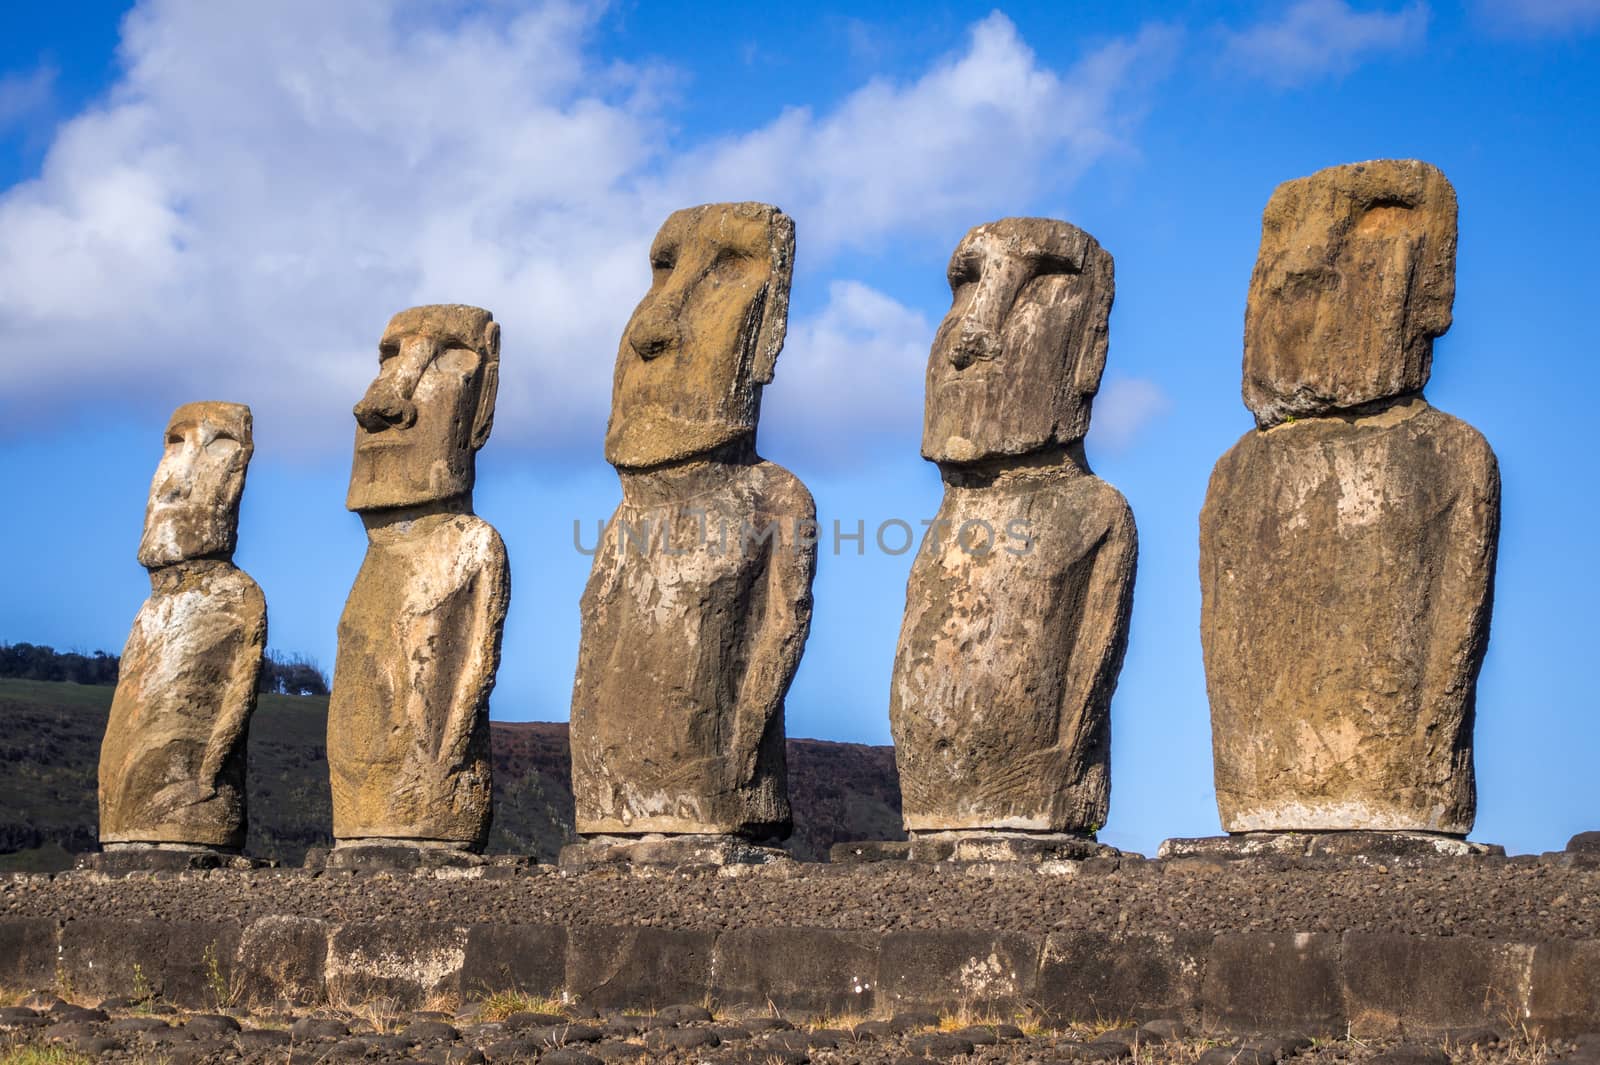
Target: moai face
(431,407)
(705,337)
(1017,360)
(1355,277)
(193,510)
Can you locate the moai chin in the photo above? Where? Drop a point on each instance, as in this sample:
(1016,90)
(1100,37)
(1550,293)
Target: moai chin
(172,764)
(1018,603)
(1347,544)
(419,640)
(699,601)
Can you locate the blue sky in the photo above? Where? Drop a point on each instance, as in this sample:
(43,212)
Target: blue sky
(227,201)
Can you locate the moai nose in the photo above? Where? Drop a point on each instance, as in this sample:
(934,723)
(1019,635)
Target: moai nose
(653,333)
(384,408)
(974,343)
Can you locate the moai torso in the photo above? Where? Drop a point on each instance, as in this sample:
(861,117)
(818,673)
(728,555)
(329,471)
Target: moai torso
(1018,603)
(419,640)
(1347,545)
(695,632)
(172,764)
(690,642)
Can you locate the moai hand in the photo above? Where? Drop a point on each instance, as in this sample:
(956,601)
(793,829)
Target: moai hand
(172,764)
(419,641)
(1347,544)
(699,601)
(1018,603)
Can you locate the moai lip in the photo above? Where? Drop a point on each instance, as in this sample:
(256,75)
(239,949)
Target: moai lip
(1018,602)
(699,601)
(172,763)
(419,639)
(1347,545)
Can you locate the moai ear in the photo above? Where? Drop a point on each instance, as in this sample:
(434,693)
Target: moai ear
(1099,272)
(489,387)
(775,309)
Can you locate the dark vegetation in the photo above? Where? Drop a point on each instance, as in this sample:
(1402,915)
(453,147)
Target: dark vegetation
(50,749)
(281,674)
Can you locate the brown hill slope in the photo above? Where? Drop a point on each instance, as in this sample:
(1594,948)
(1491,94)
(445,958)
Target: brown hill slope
(50,745)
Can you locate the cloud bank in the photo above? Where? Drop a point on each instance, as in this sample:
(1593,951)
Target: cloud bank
(264,185)
(1313,39)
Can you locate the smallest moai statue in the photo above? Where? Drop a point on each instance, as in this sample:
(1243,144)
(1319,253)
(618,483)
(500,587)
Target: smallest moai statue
(419,640)
(172,764)
(1018,603)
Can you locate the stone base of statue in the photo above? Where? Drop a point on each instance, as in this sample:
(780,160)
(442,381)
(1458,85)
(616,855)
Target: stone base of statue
(1323,844)
(117,859)
(393,856)
(670,850)
(975,845)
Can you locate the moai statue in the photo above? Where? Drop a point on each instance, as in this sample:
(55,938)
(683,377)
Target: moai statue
(419,641)
(699,602)
(172,765)
(1018,603)
(1347,544)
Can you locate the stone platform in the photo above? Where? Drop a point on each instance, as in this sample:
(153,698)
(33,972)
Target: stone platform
(1319,945)
(1361,846)
(669,851)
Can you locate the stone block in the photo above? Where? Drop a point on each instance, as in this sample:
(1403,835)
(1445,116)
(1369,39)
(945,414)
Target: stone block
(186,963)
(1089,975)
(402,960)
(640,968)
(818,969)
(1564,996)
(531,959)
(28,952)
(951,968)
(1415,985)
(282,959)
(1257,981)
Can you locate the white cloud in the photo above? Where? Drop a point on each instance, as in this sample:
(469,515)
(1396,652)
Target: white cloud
(1534,18)
(1317,38)
(854,369)
(22,95)
(1123,407)
(267,183)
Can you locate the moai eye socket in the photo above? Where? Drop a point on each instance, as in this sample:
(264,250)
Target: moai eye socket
(965,270)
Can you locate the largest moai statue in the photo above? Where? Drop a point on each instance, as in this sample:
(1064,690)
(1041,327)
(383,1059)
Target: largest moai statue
(172,765)
(1018,602)
(699,601)
(1347,543)
(419,640)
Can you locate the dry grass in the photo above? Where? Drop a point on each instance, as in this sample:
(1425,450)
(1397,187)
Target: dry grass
(502,1004)
(42,1055)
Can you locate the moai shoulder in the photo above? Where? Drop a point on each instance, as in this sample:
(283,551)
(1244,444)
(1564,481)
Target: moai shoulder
(1018,602)
(420,637)
(1348,542)
(699,600)
(172,764)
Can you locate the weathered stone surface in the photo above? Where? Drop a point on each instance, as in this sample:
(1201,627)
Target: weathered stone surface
(1358,845)
(172,763)
(419,641)
(27,951)
(893,850)
(1355,279)
(1018,602)
(640,968)
(804,968)
(1346,573)
(166,959)
(1564,996)
(399,960)
(1108,974)
(673,850)
(528,959)
(1347,545)
(699,601)
(1414,984)
(1255,982)
(947,969)
(1584,843)
(282,959)
(979,845)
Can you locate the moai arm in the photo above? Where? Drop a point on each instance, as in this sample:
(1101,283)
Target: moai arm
(1465,591)
(782,625)
(1101,635)
(238,699)
(485,595)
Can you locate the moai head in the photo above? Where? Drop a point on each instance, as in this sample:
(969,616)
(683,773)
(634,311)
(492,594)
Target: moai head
(1017,360)
(1356,275)
(193,510)
(429,410)
(705,337)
